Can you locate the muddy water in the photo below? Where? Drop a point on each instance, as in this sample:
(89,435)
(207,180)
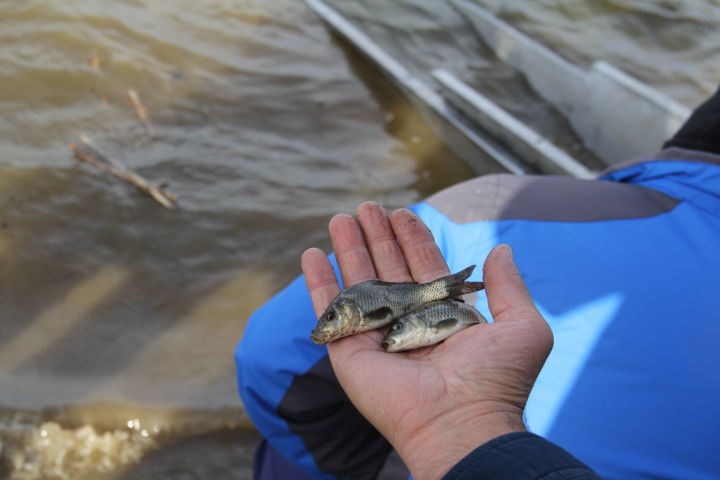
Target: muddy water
(118,317)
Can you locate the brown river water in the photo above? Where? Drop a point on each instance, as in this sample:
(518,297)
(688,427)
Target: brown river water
(118,317)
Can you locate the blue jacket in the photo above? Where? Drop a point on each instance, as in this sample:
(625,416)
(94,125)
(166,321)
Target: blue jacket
(625,269)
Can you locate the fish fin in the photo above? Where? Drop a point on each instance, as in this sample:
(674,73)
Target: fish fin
(469,322)
(464,288)
(379,314)
(460,276)
(456,284)
(477,319)
(446,323)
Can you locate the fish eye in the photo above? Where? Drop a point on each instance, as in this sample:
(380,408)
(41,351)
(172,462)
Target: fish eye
(397,326)
(331,314)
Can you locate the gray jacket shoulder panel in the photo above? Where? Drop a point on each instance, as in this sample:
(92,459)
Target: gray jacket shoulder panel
(548,198)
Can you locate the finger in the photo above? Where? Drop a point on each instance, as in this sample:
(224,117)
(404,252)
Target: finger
(385,252)
(350,250)
(507,294)
(319,278)
(422,254)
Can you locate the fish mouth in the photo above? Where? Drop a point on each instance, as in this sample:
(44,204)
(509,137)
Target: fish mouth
(318,337)
(387,344)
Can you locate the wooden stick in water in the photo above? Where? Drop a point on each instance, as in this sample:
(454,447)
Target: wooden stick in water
(89,153)
(141,111)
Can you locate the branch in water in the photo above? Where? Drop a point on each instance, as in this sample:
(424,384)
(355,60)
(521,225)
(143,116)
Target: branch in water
(89,153)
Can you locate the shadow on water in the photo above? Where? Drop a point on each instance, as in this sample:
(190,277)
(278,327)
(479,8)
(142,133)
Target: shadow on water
(130,291)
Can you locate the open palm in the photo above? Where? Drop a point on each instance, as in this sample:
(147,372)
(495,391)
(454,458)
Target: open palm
(436,404)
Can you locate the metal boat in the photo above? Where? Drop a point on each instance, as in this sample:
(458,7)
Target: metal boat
(617,116)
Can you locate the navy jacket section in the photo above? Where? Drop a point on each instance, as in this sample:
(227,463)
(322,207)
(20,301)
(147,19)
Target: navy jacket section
(520,456)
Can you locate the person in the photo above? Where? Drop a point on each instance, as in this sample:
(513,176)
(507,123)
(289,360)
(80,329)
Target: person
(622,268)
(438,404)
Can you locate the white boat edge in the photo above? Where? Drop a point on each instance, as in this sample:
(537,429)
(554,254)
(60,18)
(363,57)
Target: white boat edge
(516,135)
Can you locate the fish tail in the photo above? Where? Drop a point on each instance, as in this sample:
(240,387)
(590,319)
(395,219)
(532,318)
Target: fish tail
(459,277)
(464,288)
(456,284)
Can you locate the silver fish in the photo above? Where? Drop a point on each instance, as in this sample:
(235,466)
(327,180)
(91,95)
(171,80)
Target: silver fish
(431,324)
(374,304)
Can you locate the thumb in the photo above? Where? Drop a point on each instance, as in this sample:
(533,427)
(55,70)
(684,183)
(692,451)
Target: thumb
(508,297)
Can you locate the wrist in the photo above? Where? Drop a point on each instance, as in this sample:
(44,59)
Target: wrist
(430,452)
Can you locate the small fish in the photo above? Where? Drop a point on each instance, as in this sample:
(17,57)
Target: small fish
(374,304)
(431,324)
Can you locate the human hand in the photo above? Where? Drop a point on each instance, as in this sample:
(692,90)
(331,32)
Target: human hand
(437,404)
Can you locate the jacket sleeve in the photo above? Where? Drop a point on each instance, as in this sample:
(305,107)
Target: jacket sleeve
(291,394)
(519,456)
